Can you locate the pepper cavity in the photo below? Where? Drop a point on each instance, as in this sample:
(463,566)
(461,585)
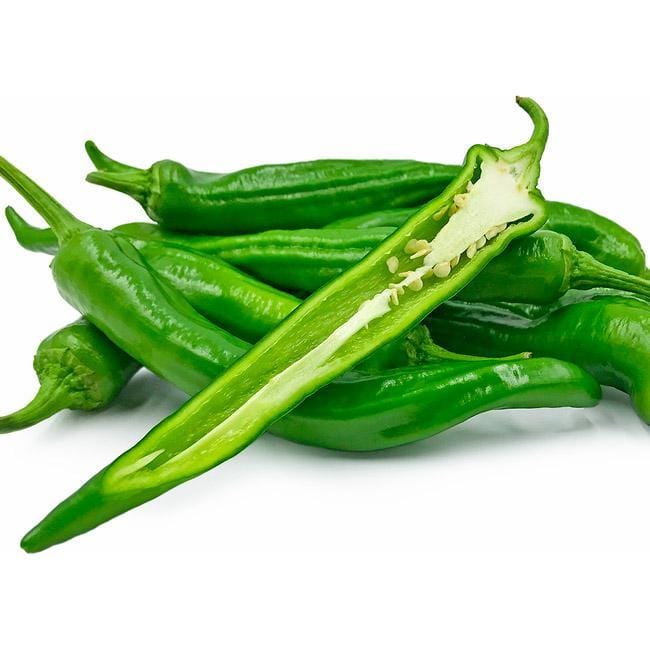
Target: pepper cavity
(496,199)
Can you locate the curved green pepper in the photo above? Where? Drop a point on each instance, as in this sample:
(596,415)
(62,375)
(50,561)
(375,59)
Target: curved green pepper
(307,259)
(592,233)
(401,406)
(605,333)
(295,195)
(368,306)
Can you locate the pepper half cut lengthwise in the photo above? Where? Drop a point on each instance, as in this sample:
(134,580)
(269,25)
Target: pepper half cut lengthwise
(294,195)
(374,302)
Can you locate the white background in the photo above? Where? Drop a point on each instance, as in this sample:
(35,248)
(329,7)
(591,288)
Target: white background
(514,530)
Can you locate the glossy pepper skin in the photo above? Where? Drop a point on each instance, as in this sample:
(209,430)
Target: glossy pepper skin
(605,333)
(294,195)
(541,268)
(244,306)
(401,406)
(326,336)
(599,236)
(546,263)
(302,260)
(592,233)
(78,368)
(104,277)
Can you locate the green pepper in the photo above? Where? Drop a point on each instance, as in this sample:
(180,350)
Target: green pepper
(295,195)
(592,233)
(599,236)
(78,368)
(604,332)
(371,304)
(305,260)
(369,412)
(242,305)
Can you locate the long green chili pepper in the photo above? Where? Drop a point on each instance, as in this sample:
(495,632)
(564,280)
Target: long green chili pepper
(78,368)
(341,193)
(592,233)
(295,195)
(350,193)
(604,332)
(375,302)
(400,406)
(307,259)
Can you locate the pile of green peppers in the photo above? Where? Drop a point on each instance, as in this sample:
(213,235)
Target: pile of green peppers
(354,305)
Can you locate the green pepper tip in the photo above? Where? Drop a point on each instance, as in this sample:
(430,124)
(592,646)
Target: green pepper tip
(103,162)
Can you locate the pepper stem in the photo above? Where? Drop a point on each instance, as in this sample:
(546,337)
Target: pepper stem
(540,123)
(31,238)
(421,349)
(588,273)
(63,223)
(116,175)
(528,155)
(50,399)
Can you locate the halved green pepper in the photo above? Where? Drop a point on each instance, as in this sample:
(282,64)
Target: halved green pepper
(373,303)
